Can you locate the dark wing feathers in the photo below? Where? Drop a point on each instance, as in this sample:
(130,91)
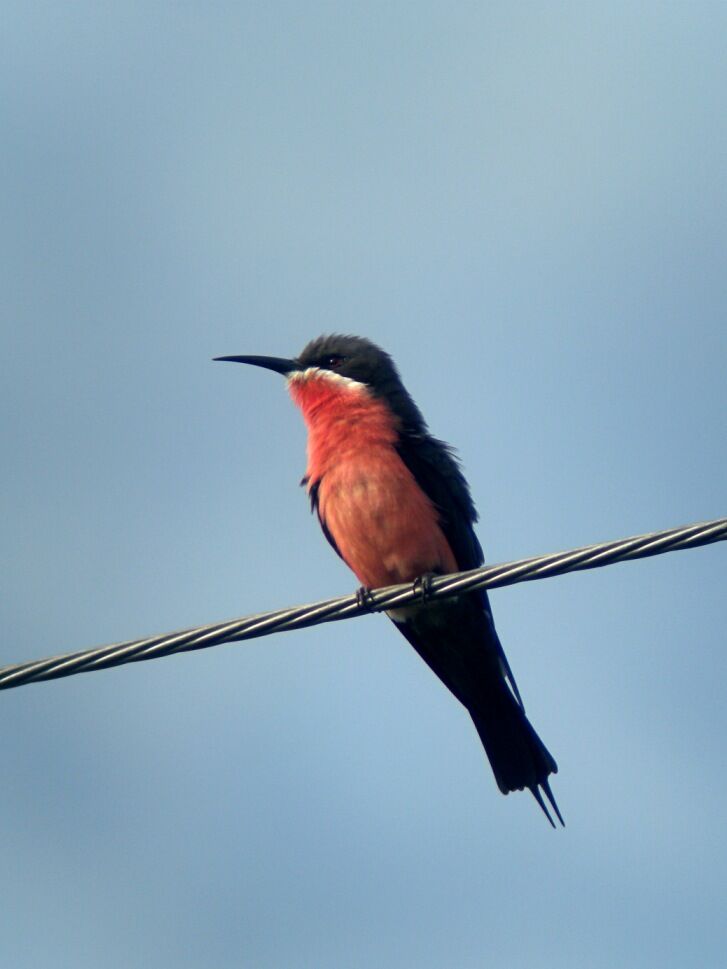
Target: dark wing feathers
(313,495)
(439,476)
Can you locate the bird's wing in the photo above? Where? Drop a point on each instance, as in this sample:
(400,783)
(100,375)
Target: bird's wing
(438,474)
(313,495)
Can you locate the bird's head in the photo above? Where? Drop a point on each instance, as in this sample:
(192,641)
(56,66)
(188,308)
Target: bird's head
(343,365)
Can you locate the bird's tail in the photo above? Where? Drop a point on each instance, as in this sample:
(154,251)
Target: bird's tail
(458,640)
(518,757)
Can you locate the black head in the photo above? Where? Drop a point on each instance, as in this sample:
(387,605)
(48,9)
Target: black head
(360,359)
(356,358)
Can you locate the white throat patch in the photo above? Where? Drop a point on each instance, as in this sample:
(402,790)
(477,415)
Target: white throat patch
(318,373)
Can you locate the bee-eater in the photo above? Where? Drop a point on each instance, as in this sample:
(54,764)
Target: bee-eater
(394,504)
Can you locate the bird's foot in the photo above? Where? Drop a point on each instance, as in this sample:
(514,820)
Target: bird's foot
(364,599)
(423,586)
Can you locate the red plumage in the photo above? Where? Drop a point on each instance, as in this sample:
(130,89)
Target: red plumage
(384,526)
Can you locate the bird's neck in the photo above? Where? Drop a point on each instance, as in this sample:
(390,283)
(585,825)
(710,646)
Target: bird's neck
(343,420)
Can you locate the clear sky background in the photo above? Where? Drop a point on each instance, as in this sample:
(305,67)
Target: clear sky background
(526,204)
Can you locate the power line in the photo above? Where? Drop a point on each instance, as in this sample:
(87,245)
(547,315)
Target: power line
(345,607)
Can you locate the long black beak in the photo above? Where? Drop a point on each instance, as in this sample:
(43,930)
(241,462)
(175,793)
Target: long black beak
(278,364)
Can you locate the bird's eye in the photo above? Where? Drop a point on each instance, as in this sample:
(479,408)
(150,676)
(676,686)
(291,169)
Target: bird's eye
(332,361)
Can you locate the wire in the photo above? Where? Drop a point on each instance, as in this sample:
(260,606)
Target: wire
(345,607)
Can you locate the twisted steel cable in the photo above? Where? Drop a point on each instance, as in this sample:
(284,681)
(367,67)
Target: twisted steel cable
(345,607)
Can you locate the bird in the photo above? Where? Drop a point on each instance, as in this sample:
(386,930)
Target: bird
(394,504)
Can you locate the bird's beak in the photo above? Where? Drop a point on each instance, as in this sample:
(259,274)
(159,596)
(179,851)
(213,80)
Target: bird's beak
(278,364)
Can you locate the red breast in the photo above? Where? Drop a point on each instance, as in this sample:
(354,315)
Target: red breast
(383,524)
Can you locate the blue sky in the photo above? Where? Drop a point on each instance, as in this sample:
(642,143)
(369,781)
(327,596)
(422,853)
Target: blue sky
(526,205)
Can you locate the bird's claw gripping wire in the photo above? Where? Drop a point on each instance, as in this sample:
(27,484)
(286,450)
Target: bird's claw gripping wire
(423,586)
(364,599)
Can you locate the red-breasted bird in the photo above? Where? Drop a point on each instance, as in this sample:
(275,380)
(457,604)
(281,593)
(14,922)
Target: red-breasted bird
(394,504)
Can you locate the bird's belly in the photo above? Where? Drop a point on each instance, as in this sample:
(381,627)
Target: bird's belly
(383,524)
